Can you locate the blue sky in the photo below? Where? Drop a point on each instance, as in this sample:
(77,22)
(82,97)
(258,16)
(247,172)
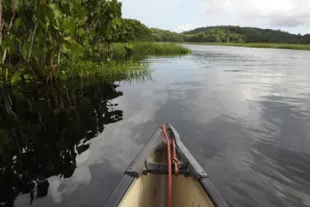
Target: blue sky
(180,15)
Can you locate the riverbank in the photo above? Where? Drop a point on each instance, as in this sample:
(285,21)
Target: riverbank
(148,48)
(109,71)
(113,69)
(257,45)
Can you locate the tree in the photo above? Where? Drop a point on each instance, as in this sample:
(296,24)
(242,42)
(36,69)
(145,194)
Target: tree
(243,34)
(129,30)
(37,35)
(166,36)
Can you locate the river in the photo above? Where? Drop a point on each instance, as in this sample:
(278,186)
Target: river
(244,113)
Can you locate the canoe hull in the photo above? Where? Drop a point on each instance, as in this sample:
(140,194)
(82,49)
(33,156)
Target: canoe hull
(145,181)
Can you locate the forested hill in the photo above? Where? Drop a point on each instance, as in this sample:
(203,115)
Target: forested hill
(243,34)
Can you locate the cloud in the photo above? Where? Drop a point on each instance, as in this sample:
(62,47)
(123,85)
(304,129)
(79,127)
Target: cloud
(289,21)
(287,13)
(180,15)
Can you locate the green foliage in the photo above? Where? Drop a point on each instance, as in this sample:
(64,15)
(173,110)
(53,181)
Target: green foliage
(44,32)
(45,36)
(108,71)
(129,30)
(215,35)
(243,34)
(150,48)
(259,45)
(166,36)
(278,45)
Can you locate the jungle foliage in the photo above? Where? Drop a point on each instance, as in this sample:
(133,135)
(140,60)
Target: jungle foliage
(244,34)
(37,36)
(166,36)
(231,34)
(215,35)
(131,30)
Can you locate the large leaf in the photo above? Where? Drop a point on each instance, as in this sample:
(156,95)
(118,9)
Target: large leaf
(68,26)
(17,76)
(25,50)
(19,24)
(36,52)
(9,43)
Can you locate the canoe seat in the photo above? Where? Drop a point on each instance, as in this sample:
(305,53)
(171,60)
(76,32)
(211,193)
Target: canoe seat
(162,168)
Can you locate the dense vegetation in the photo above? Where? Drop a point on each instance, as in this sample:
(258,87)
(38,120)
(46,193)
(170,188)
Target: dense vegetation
(130,30)
(166,36)
(258,45)
(215,35)
(36,36)
(40,38)
(231,34)
(243,34)
(141,49)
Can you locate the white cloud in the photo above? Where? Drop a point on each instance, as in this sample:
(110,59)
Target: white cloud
(265,12)
(180,15)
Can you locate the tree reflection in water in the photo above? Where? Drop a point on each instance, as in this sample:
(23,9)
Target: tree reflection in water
(43,129)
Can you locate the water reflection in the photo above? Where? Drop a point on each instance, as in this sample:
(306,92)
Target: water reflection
(44,129)
(243,113)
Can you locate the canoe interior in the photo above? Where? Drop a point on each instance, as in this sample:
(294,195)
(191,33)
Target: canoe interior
(144,183)
(151,190)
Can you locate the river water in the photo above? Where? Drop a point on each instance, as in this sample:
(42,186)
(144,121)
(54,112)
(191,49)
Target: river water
(244,113)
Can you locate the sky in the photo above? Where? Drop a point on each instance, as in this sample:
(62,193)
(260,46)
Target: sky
(182,15)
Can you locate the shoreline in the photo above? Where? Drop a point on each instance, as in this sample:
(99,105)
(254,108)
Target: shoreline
(257,45)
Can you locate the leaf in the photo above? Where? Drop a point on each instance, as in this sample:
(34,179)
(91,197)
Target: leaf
(65,49)
(17,76)
(6,74)
(25,50)
(68,26)
(36,52)
(80,32)
(18,24)
(27,77)
(68,39)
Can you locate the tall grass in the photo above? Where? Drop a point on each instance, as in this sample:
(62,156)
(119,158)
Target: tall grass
(149,48)
(280,46)
(110,71)
(258,45)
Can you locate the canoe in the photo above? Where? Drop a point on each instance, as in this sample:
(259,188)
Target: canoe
(145,182)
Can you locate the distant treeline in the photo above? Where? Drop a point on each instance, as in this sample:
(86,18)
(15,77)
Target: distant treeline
(243,34)
(131,30)
(220,34)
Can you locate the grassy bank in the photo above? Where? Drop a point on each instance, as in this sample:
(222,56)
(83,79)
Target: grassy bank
(108,71)
(148,48)
(258,45)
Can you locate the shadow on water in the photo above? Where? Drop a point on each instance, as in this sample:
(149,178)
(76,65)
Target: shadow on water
(42,131)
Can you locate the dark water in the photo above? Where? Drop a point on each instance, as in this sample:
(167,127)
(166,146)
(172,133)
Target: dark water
(244,114)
